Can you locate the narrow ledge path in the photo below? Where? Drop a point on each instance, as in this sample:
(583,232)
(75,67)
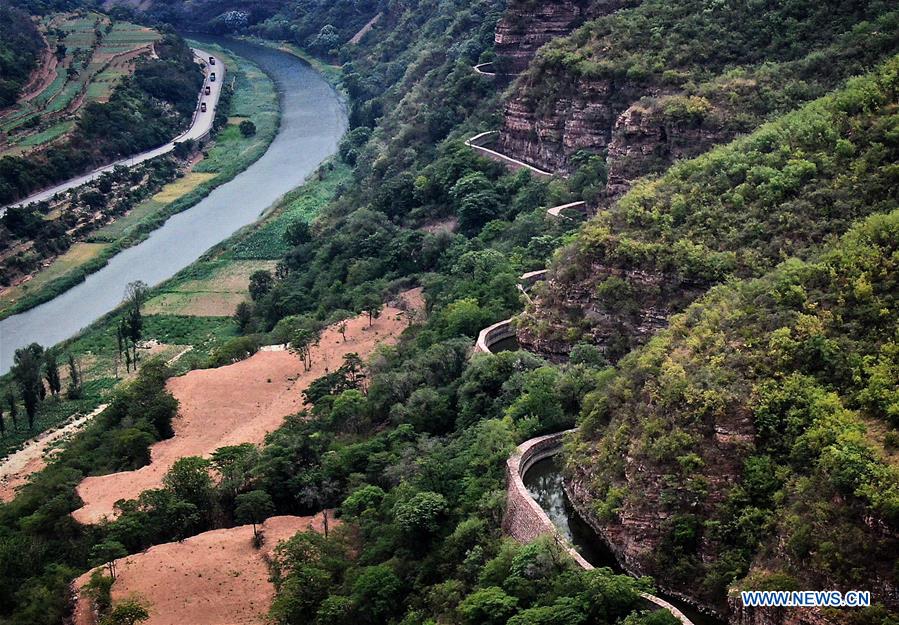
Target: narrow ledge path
(479,143)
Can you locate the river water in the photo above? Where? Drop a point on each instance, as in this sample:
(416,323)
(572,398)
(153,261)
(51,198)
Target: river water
(313,118)
(544,482)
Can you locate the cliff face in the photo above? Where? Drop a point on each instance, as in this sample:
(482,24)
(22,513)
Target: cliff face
(527,25)
(635,126)
(567,312)
(602,83)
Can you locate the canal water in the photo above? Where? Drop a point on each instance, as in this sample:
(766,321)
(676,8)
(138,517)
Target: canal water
(313,118)
(544,482)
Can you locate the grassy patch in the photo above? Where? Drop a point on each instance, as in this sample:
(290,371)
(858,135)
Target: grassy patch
(215,294)
(182,186)
(77,255)
(267,240)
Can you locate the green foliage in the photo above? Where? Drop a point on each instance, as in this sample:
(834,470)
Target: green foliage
(142,113)
(759,348)
(490,606)
(247,128)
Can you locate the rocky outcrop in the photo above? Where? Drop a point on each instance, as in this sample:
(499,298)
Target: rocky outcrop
(528,24)
(635,533)
(641,132)
(566,312)
(653,133)
(547,133)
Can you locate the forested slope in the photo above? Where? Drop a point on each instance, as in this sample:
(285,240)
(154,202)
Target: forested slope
(647,85)
(20,50)
(755,434)
(734,212)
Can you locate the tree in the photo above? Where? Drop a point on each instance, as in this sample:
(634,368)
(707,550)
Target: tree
(420,516)
(106,554)
(26,372)
(261,282)
(371,305)
(342,329)
(319,495)
(488,606)
(13,408)
(234,465)
(128,612)
(243,315)
(2,424)
(74,389)
(247,128)
(51,372)
(298,232)
(253,507)
(301,343)
(377,591)
(132,324)
(189,480)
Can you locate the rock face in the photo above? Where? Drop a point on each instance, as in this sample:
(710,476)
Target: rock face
(566,312)
(527,25)
(640,130)
(637,530)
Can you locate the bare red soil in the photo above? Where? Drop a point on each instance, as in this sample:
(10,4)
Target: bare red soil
(214,578)
(239,403)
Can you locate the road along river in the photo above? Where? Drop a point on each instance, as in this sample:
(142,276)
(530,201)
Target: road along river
(313,118)
(200,126)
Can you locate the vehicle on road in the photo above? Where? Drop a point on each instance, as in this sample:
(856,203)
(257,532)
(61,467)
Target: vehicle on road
(212,77)
(208,90)
(212,60)
(202,107)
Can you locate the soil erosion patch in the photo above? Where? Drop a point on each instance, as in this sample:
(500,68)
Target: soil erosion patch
(239,403)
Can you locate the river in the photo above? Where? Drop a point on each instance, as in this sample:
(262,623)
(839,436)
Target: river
(313,118)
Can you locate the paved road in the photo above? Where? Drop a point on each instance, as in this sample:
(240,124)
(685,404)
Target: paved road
(201,125)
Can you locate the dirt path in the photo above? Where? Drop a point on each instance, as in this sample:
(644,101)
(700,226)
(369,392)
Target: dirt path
(214,578)
(42,76)
(17,468)
(239,403)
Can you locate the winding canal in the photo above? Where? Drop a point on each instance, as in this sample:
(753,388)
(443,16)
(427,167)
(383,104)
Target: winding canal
(544,483)
(313,118)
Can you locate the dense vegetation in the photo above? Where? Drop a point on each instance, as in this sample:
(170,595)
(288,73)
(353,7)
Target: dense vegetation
(412,452)
(20,48)
(799,369)
(735,211)
(696,73)
(145,111)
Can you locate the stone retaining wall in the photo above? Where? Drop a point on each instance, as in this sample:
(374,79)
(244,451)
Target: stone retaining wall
(480,142)
(493,334)
(556,211)
(525,520)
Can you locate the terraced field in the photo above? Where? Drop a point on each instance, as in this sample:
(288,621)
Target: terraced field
(98,54)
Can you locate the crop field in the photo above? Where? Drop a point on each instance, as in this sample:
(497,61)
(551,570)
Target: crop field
(94,63)
(214,295)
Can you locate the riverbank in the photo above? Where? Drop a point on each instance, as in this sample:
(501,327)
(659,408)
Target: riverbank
(332,73)
(171,326)
(255,98)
